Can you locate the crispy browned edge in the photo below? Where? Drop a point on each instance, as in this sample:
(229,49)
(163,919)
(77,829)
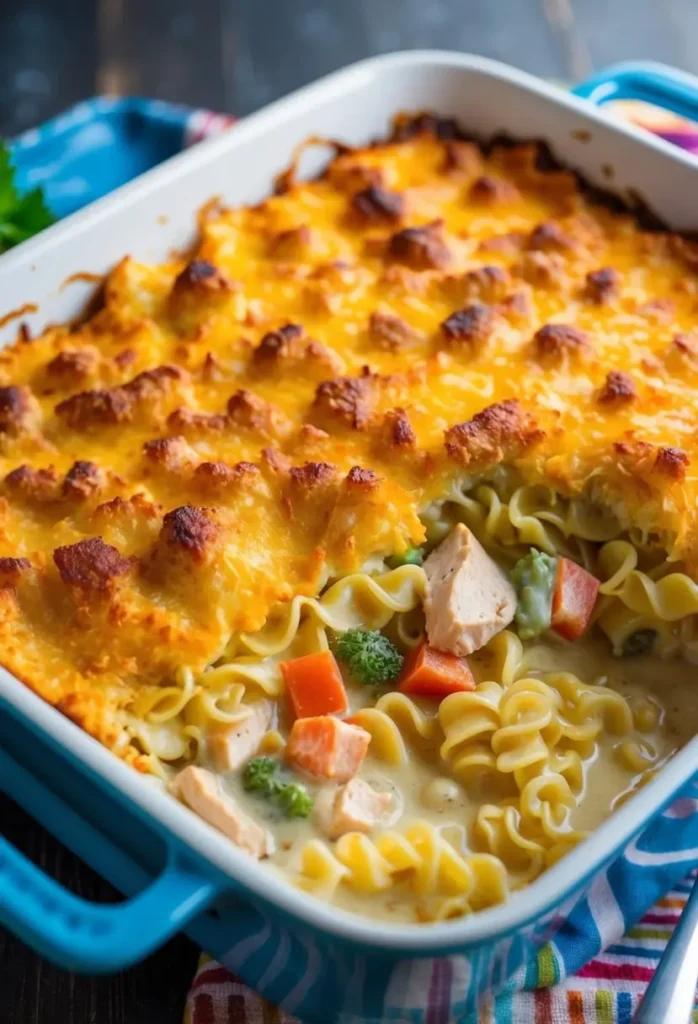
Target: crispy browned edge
(406,126)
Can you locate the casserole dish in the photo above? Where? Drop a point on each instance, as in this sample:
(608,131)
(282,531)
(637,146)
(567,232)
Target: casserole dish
(276,937)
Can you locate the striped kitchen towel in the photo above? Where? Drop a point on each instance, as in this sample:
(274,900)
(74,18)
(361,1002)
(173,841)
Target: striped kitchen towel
(605,990)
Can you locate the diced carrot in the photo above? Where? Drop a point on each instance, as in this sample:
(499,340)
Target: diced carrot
(314,685)
(428,672)
(327,746)
(574,598)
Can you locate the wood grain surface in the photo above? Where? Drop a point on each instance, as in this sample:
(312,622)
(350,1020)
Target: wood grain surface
(237,55)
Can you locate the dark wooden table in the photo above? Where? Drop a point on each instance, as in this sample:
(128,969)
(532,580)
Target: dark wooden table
(237,55)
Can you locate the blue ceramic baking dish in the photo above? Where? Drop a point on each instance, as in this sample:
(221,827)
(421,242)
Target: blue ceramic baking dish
(321,963)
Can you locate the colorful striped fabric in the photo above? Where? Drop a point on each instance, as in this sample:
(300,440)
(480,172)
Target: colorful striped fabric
(591,973)
(606,990)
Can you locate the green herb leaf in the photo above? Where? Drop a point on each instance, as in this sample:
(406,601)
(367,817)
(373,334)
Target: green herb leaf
(21,216)
(534,579)
(369,656)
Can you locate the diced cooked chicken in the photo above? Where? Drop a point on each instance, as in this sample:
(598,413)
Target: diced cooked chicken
(203,793)
(469,599)
(355,807)
(238,742)
(326,746)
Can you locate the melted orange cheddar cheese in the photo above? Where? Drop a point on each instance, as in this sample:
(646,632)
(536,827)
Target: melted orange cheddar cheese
(232,430)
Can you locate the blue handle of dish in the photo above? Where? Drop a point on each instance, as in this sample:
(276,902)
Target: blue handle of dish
(644,80)
(94,847)
(94,937)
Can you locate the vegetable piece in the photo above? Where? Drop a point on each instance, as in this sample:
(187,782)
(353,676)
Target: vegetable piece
(314,685)
(411,556)
(327,747)
(574,598)
(261,776)
(21,216)
(534,577)
(431,673)
(294,801)
(640,642)
(369,656)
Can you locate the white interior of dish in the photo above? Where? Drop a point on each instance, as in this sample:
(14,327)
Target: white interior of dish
(155,214)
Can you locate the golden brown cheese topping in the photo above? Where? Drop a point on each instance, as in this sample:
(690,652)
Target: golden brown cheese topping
(232,430)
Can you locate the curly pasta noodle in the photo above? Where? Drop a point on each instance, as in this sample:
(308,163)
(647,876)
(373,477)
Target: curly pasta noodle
(658,599)
(566,763)
(320,871)
(510,519)
(469,720)
(418,858)
(397,724)
(538,732)
(528,725)
(505,657)
(170,722)
(497,829)
(512,729)
(357,600)
(531,832)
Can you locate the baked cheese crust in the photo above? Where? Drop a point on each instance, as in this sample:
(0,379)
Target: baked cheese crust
(234,429)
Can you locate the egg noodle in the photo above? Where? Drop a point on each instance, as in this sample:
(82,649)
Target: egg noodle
(520,744)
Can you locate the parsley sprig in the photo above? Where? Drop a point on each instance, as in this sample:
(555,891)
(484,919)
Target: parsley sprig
(21,216)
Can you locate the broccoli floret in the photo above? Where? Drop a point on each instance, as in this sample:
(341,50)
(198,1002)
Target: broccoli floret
(294,800)
(369,656)
(534,579)
(259,773)
(639,642)
(261,776)
(411,556)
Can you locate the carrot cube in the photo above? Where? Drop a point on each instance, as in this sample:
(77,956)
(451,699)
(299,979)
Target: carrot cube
(574,598)
(428,672)
(314,685)
(327,747)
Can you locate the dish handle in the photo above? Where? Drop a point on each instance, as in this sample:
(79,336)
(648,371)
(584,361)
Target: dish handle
(94,937)
(651,82)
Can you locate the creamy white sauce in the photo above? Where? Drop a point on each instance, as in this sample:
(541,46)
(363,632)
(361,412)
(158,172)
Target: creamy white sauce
(663,697)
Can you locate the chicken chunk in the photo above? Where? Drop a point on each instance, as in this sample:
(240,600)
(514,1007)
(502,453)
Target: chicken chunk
(201,791)
(238,742)
(325,746)
(355,807)
(469,599)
